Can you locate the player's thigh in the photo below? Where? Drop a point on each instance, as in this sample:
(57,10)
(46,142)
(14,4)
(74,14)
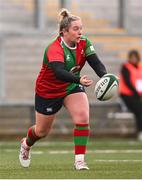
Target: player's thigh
(43,122)
(78,107)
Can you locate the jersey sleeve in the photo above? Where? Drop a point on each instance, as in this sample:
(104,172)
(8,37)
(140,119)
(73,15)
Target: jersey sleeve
(89,48)
(55,53)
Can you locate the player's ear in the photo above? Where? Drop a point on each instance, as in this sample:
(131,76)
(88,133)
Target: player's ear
(65,30)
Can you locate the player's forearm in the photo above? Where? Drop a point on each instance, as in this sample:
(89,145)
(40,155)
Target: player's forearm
(96,65)
(62,74)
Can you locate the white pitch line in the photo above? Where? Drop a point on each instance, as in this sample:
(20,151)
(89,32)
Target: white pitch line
(16,150)
(108,151)
(10,150)
(37,152)
(129,142)
(115,160)
(97,151)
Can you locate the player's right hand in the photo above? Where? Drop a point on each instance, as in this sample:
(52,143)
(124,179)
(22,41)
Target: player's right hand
(85,81)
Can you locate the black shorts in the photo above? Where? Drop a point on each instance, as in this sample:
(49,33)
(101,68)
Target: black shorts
(52,105)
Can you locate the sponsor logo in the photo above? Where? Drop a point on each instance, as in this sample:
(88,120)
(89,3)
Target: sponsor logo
(92,48)
(75,69)
(82,51)
(49,109)
(68,57)
(102,84)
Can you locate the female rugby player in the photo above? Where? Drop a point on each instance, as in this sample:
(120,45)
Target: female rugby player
(59,83)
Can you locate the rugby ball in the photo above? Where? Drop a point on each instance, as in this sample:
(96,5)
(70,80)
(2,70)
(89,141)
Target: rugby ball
(106,87)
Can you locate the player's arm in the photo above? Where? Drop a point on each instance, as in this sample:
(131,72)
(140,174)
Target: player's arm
(56,62)
(55,55)
(93,59)
(126,76)
(63,75)
(96,64)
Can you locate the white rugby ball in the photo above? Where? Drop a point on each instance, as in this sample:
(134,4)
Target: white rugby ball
(106,87)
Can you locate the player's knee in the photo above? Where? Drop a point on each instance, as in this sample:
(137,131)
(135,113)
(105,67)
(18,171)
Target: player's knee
(41,133)
(83,117)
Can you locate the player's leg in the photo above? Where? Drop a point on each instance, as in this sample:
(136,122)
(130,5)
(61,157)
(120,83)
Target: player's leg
(36,132)
(78,106)
(40,129)
(45,113)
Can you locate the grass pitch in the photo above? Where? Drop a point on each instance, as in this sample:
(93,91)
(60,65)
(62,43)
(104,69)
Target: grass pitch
(113,158)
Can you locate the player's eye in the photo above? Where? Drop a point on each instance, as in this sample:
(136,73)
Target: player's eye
(75,28)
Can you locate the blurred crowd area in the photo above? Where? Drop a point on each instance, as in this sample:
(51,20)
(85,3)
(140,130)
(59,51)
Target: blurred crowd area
(26,28)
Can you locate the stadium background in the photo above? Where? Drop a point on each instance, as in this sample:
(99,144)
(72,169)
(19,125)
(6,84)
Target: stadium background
(27,26)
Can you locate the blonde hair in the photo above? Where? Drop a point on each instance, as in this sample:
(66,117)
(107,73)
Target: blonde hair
(65,19)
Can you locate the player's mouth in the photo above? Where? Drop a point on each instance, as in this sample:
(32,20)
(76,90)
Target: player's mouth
(78,39)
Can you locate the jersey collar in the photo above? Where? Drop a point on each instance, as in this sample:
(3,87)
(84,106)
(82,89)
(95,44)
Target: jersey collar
(72,48)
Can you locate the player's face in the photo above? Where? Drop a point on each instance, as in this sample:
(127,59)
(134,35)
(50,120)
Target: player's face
(73,34)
